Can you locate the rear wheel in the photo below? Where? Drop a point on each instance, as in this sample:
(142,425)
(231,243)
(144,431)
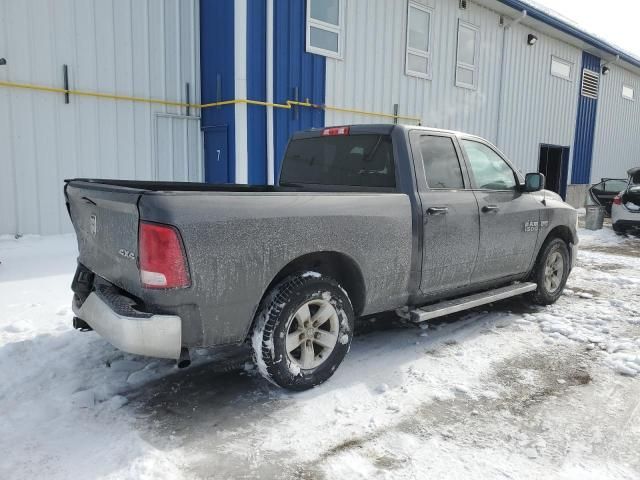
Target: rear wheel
(551,271)
(303,331)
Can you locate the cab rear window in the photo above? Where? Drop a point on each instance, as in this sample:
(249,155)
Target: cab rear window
(343,160)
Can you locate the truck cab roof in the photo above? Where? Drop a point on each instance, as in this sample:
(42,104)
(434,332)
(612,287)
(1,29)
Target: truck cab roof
(376,128)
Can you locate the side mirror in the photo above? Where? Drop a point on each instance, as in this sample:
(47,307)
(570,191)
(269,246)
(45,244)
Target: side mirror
(533,182)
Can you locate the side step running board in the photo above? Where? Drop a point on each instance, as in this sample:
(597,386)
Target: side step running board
(459,304)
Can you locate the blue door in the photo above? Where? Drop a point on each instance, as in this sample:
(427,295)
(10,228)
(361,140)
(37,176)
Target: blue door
(216,155)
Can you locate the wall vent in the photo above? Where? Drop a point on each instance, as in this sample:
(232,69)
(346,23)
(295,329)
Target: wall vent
(462,4)
(590,83)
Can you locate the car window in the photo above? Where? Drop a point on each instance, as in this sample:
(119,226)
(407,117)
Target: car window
(610,186)
(441,164)
(347,160)
(489,170)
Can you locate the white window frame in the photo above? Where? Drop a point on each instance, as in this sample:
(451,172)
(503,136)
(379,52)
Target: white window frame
(633,92)
(466,66)
(329,27)
(564,62)
(414,51)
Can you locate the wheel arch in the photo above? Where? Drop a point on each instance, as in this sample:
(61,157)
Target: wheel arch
(563,232)
(337,265)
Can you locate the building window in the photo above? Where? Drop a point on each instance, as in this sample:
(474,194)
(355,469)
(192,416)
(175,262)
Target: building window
(324,27)
(561,68)
(467,56)
(627,92)
(418,59)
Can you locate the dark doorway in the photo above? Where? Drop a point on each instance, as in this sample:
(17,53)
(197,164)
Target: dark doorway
(554,163)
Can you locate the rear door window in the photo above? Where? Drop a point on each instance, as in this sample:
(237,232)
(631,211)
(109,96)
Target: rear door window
(441,163)
(343,160)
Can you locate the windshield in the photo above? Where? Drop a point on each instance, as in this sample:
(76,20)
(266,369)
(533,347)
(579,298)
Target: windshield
(346,160)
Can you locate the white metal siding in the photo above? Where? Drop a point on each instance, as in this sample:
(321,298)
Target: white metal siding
(372,75)
(617,137)
(142,48)
(536,106)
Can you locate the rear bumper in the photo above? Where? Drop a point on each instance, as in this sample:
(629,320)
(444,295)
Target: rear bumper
(622,216)
(113,317)
(627,224)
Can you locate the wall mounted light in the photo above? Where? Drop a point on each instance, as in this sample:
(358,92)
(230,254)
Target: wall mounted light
(531,39)
(605,70)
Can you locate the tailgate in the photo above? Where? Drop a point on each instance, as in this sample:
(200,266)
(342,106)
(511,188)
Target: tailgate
(105,218)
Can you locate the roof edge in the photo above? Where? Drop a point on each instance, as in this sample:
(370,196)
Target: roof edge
(559,24)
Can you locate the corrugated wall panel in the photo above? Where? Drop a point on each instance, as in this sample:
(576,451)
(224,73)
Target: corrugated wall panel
(585,127)
(372,74)
(617,136)
(294,70)
(8,206)
(131,47)
(257,90)
(217,64)
(537,107)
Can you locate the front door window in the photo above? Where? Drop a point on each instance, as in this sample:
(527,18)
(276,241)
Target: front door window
(489,170)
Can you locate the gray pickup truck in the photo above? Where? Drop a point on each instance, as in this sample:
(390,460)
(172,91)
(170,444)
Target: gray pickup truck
(364,219)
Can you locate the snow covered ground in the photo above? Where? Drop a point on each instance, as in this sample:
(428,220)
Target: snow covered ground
(507,391)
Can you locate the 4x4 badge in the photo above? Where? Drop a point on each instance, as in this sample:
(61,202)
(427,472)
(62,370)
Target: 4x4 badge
(127,254)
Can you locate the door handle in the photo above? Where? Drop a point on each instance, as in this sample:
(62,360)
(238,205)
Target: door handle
(490,208)
(437,210)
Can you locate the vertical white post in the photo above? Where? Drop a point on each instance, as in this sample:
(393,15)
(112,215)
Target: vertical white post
(269,85)
(240,41)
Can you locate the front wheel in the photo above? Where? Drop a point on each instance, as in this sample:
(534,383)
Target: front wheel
(303,331)
(551,271)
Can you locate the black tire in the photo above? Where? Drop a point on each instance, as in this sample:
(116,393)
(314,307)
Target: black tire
(277,319)
(618,229)
(545,295)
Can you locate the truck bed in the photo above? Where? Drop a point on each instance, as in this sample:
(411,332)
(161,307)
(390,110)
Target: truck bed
(236,239)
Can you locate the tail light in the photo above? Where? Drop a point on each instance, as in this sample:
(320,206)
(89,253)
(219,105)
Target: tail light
(617,200)
(163,263)
(333,131)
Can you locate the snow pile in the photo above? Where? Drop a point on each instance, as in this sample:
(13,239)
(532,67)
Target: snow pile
(510,390)
(607,322)
(61,391)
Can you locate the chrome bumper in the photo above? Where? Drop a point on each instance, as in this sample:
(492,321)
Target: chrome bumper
(129,330)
